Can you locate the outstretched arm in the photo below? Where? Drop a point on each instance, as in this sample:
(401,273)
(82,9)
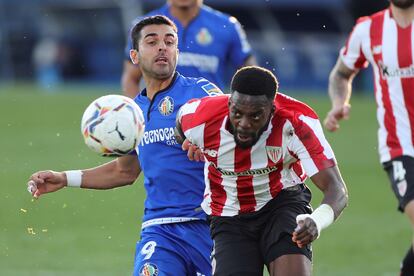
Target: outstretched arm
(335,199)
(116,173)
(340,89)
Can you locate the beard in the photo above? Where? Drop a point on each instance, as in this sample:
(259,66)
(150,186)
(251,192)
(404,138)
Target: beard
(402,4)
(253,137)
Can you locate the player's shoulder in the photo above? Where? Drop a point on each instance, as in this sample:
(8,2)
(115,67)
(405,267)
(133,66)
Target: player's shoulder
(291,108)
(200,86)
(163,10)
(207,109)
(368,18)
(217,16)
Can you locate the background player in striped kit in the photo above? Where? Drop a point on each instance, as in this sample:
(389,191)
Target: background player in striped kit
(385,40)
(258,150)
(175,238)
(209,42)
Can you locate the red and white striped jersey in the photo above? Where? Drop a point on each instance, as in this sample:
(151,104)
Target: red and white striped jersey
(244,180)
(389,48)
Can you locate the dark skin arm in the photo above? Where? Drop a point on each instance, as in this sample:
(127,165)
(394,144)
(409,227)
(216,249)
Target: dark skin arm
(335,194)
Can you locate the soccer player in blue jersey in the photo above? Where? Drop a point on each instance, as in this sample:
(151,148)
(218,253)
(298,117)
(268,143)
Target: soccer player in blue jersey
(175,238)
(209,42)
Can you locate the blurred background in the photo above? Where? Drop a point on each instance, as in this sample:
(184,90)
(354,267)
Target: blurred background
(57,56)
(82,41)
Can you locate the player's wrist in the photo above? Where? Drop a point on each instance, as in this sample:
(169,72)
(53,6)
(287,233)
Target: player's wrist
(323,216)
(73,178)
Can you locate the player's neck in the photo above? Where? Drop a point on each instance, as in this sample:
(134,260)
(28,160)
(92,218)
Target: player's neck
(403,17)
(153,85)
(185,15)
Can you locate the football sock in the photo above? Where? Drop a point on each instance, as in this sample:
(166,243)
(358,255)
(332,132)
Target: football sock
(407,265)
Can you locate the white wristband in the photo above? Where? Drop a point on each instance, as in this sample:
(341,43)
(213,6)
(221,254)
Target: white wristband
(74,178)
(323,216)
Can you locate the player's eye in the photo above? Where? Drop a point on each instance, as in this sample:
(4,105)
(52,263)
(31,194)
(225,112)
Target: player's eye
(256,116)
(237,114)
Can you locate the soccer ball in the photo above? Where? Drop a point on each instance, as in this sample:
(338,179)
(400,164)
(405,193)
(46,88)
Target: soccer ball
(112,125)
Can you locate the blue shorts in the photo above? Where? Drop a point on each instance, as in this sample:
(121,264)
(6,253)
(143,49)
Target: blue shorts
(174,249)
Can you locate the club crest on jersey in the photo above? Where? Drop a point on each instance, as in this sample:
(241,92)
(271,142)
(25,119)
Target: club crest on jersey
(166,106)
(377,49)
(204,37)
(274,153)
(148,269)
(402,187)
(211,89)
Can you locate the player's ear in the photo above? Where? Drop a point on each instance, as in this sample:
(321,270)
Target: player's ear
(229,101)
(133,55)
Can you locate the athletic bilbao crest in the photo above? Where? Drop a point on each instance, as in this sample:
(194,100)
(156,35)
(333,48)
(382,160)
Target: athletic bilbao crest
(274,153)
(166,106)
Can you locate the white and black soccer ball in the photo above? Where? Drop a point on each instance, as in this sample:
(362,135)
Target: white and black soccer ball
(112,125)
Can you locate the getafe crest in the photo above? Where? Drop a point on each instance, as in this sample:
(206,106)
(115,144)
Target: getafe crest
(148,269)
(274,153)
(204,37)
(166,106)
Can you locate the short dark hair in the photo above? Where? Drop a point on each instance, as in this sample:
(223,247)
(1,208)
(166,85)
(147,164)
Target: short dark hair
(150,20)
(255,81)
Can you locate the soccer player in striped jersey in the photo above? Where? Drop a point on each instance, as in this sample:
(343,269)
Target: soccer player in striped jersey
(175,238)
(386,41)
(259,147)
(209,43)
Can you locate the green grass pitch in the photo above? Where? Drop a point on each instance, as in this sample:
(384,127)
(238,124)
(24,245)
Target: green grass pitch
(84,232)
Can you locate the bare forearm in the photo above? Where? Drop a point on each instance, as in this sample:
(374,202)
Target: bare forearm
(130,79)
(110,175)
(340,89)
(336,196)
(330,182)
(130,87)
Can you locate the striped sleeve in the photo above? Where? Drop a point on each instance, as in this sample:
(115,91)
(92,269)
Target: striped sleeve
(186,116)
(311,147)
(352,54)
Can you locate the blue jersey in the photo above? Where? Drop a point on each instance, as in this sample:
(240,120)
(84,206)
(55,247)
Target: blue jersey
(174,184)
(208,45)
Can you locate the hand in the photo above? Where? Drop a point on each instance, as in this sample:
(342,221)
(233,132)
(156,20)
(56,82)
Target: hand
(194,152)
(45,182)
(305,232)
(336,114)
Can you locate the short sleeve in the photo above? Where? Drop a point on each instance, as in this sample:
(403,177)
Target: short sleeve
(240,48)
(352,53)
(310,145)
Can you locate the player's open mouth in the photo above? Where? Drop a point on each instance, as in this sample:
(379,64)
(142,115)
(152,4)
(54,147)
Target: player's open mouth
(161,60)
(243,138)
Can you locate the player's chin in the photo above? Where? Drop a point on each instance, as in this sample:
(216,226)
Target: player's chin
(245,143)
(163,71)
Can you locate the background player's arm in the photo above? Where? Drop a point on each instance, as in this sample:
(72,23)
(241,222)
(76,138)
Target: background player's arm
(335,198)
(116,173)
(250,61)
(131,76)
(340,89)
